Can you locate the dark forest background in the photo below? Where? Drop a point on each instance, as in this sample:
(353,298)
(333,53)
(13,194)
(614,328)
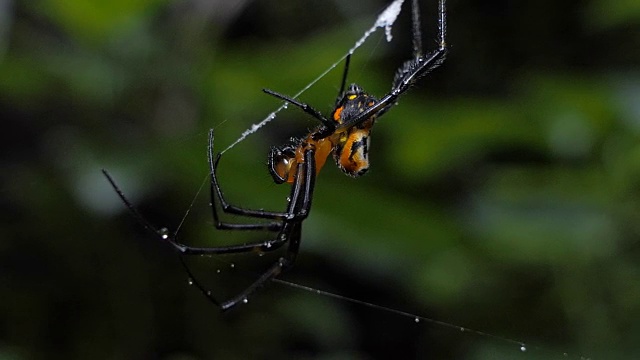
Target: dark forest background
(503,194)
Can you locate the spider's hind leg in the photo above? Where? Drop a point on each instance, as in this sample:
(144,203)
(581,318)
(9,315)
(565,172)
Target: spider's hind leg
(416,29)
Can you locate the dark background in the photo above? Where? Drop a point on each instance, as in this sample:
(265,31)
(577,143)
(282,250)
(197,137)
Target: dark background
(503,194)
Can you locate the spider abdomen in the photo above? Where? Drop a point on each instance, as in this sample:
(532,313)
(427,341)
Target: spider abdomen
(352,152)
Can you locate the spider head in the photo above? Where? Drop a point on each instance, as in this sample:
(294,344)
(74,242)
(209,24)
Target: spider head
(351,103)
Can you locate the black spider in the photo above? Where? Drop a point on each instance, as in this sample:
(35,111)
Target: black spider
(345,134)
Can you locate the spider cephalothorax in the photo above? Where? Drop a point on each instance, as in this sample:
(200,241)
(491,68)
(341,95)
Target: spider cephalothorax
(344,134)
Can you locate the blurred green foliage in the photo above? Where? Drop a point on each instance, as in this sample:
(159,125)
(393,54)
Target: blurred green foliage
(503,194)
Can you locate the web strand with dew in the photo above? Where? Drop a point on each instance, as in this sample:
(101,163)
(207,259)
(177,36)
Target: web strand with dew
(385,20)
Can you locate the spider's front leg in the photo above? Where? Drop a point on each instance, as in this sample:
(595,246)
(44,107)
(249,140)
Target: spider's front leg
(420,65)
(411,70)
(232,209)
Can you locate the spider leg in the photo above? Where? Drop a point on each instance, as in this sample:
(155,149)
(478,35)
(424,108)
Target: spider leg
(297,210)
(305,107)
(300,206)
(194,281)
(328,125)
(291,232)
(163,233)
(290,229)
(411,70)
(414,69)
(344,78)
(416,28)
(231,209)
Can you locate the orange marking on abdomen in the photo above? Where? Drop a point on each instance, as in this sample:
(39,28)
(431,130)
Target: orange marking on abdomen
(353,158)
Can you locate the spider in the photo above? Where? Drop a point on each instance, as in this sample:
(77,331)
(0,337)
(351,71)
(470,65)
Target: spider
(344,134)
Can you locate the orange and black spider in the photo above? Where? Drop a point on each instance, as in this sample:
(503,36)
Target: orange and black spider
(345,135)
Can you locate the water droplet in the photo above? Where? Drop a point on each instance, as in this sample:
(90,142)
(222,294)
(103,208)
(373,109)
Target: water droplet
(462,329)
(417,320)
(218,271)
(164,233)
(209,293)
(245,300)
(523,348)
(268,245)
(285,105)
(232,265)
(190,281)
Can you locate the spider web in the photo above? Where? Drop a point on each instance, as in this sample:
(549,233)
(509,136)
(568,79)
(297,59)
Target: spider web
(385,20)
